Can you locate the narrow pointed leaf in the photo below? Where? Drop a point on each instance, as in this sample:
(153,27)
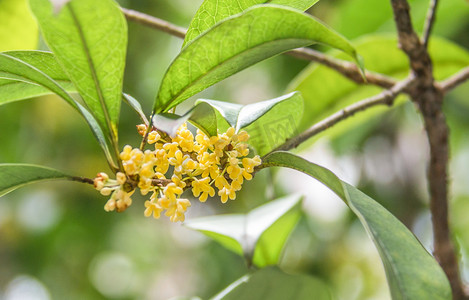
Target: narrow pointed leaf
(214,11)
(13,176)
(89,40)
(273,284)
(269,122)
(408,266)
(201,116)
(136,106)
(259,235)
(18,29)
(237,43)
(13,69)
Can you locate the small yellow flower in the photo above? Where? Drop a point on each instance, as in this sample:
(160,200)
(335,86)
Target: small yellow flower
(152,208)
(224,193)
(142,129)
(176,211)
(153,137)
(203,187)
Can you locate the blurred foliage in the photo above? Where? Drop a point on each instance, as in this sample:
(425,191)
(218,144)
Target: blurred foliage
(57,241)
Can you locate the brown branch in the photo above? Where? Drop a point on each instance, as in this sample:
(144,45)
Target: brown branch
(429,22)
(82,180)
(385,98)
(455,80)
(154,22)
(428,96)
(346,68)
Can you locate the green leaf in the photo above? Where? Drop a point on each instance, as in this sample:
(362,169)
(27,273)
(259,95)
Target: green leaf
(268,122)
(325,91)
(258,235)
(14,90)
(201,116)
(13,176)
(214,11)
(237,43)
(408,266)
(89,40)
(18,29)
(14,69)
(136,106)
(273,284)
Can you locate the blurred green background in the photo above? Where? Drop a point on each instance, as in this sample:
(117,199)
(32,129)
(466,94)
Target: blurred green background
(57,242)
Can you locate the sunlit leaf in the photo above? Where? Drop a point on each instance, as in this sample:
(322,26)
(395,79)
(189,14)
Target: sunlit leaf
(214,11)
(89,39)
(259,235)
(408,266)
(269,122)
(237,43)
(13,176)
(202,116)
(14,90)
(15,70)
(273,284)
(18,29)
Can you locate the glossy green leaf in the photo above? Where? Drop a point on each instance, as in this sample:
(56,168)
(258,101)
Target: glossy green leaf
(201,116)
(14,69)
(238,42)
(325,91)
(273,284)
(258,235)
(13,176)
(89,39)
(18,29)
(214,11)
(408,266)
(269,122)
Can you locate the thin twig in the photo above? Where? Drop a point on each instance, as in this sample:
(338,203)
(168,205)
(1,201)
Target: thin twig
(154,22)
(82,179)
(385,98)
(455,80)
(346,68)
(429,22)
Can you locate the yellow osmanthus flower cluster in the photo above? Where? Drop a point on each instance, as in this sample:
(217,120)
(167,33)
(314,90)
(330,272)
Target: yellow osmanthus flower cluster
(177,163)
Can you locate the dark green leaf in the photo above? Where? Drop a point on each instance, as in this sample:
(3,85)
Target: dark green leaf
(13,176)
(89,39)
(202,116)
(268,122)
(258,235)
(408,266)
(273,284)
(18,29)
(214,11)
(237,43)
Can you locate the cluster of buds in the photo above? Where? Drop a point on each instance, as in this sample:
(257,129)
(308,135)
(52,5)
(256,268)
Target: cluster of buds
(203,164)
